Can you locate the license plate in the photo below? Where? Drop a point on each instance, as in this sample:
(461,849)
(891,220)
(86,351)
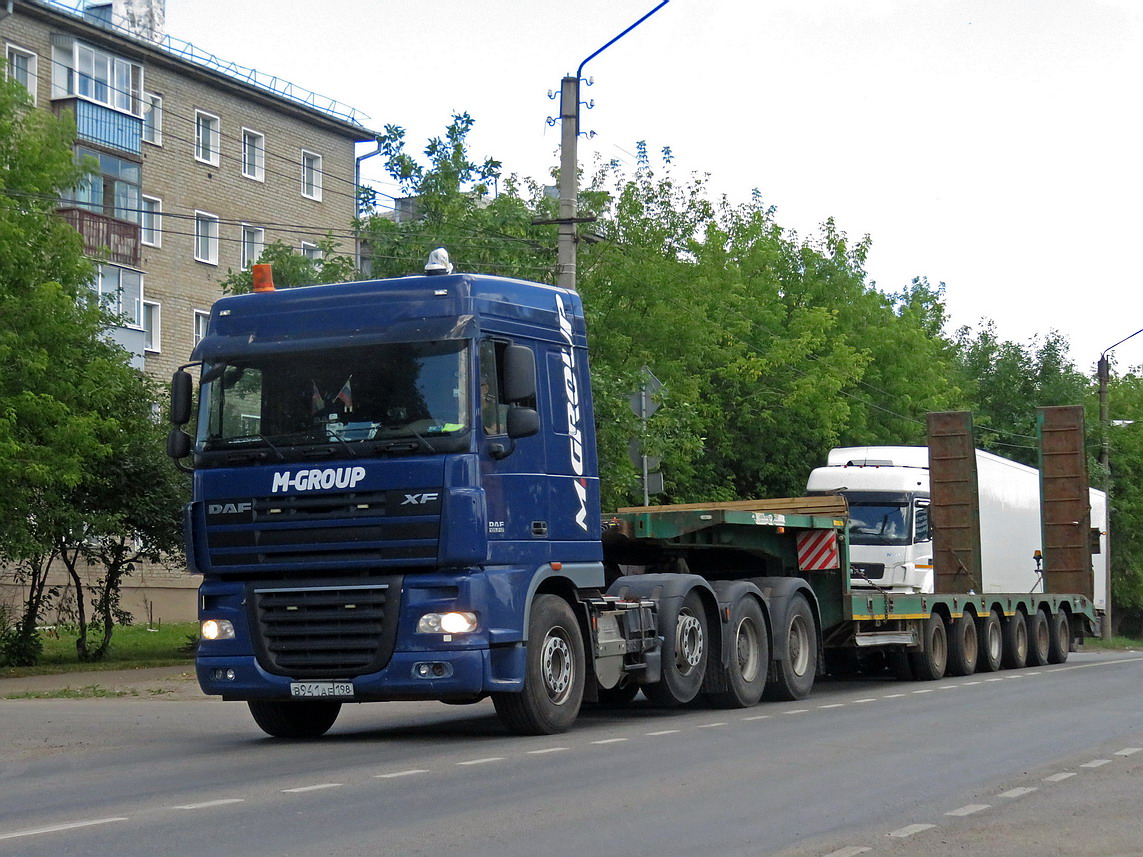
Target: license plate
(314,689)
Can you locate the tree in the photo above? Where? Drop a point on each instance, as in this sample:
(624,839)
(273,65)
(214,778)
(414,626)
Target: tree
(291,268)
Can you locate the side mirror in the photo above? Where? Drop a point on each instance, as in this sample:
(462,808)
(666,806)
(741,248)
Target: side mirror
(519,374)
(182,391)
(523,422)
(179,447)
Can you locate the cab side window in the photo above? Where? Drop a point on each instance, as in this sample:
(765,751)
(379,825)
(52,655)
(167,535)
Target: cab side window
(493,407)
(921,523)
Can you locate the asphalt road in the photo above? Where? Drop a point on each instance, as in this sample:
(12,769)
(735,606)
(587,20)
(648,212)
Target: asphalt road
(1036,761)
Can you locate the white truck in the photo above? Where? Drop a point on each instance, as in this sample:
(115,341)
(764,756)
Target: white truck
(891,547)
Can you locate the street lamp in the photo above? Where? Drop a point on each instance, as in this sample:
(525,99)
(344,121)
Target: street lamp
(1103,370)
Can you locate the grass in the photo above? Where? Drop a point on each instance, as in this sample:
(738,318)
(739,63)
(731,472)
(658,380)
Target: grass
(132,647)
(1115,643)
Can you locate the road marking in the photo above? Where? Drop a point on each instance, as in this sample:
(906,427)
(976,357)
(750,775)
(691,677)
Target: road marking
(710,725)
(758,717)
(396,774)
(948,687)
(484,761)
(833,705)
(994,679)
(547,750)
(1020,792)
(1036,672)
(1059,778)
(664,732)
(971,683)
(1016,675)
(1129,751)
(610,741)
(798,711)
(55,828)
(926,690)
(911,830)
(1099,664)
(211,803)
(893,696)
(314,788)
(852,851)
(1096,763)
(970,809)
(867,699)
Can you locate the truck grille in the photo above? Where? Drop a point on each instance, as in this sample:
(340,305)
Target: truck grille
(866,571)
(325,629)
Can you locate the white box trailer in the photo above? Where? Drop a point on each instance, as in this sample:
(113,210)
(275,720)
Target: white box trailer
(887,488)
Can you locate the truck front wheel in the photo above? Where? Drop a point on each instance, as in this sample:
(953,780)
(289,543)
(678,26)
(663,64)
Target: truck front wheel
(290,719)
(685,652)
(554,674)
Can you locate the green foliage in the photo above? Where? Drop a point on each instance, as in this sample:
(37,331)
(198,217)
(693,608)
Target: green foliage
(291,268)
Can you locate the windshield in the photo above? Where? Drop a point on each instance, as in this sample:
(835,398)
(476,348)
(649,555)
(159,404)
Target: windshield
(879,524)
(347,396)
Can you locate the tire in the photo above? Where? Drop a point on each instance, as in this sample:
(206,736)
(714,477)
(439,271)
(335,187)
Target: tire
(793,677)
(685,653)
(1015,642)
(1061,638)
(989,643)
(289,719)
(964,648)
(899,665)
(1039,638)
(930,664)
(741,682)
(553,674)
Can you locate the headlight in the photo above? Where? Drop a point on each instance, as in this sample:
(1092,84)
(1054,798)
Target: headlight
(447,623)
(217,629)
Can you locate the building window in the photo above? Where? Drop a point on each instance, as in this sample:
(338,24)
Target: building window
(115,191)
(253,242)
(151,222)
(311,175)
(311,251)
(120,291)
(97,76)
(22,68)
(153,118)
(206,138)
(206,238)
(151,327)
(253,155)
(201,319)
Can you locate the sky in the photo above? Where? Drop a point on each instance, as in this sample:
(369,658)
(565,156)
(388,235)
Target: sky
(990,145)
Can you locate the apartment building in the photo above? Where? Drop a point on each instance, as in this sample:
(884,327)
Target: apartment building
(202,161)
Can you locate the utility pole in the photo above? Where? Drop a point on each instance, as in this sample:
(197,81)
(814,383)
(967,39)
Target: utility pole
(569,180)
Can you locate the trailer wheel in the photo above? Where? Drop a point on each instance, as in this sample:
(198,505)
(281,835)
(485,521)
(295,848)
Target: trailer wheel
(793,678)
(964,650)
(1039,638)
(1061,638)
(1015,642)
(930,664)
(744,677)
(290,719)
(685,654)
(899,665)
(990,642)
(554,674)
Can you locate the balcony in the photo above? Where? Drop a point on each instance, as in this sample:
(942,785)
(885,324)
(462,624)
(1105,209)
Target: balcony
(115,241)
(95,123)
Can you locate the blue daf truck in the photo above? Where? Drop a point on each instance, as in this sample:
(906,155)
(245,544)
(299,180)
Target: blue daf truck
(396,497)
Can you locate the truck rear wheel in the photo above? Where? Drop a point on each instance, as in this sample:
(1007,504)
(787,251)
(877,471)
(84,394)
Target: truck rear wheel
(289,719)
(1061,638)
(685,654)
(990,642)
(553,676)
(1015,642)
(743,679)
(930,664)
(1039,638)
(963,645)
(793,677)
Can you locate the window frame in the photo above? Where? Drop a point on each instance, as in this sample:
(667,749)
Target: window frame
(32,84)
(249,229)
(311,251)
(214,124)
(312,173)
(152,327)
(156,227)
(152,115)
(257,171)
(211,237)
(201,320)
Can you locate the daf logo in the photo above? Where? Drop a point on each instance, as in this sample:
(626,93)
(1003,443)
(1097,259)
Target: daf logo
(419,499)
(228,508)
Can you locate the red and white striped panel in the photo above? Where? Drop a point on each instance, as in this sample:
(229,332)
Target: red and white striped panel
(817,550)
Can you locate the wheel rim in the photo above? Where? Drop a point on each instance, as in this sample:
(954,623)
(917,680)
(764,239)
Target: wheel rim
(969,642)
(938,648)
(995,641)
(746,639)
(1042,636)
(688,643)
(799,645)
(1021,641)
(559,666)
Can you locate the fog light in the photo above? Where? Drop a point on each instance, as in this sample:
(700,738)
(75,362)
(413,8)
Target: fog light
(447,623)
(432,669)
(217,629)
(223,675)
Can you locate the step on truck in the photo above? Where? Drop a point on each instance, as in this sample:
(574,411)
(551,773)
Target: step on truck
(395,497)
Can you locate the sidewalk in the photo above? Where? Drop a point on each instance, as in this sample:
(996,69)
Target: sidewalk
(173,682)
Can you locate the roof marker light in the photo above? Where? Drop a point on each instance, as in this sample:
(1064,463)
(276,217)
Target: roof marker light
(263,278)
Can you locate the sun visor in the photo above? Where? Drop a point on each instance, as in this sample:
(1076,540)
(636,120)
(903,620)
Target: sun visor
(217,348)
